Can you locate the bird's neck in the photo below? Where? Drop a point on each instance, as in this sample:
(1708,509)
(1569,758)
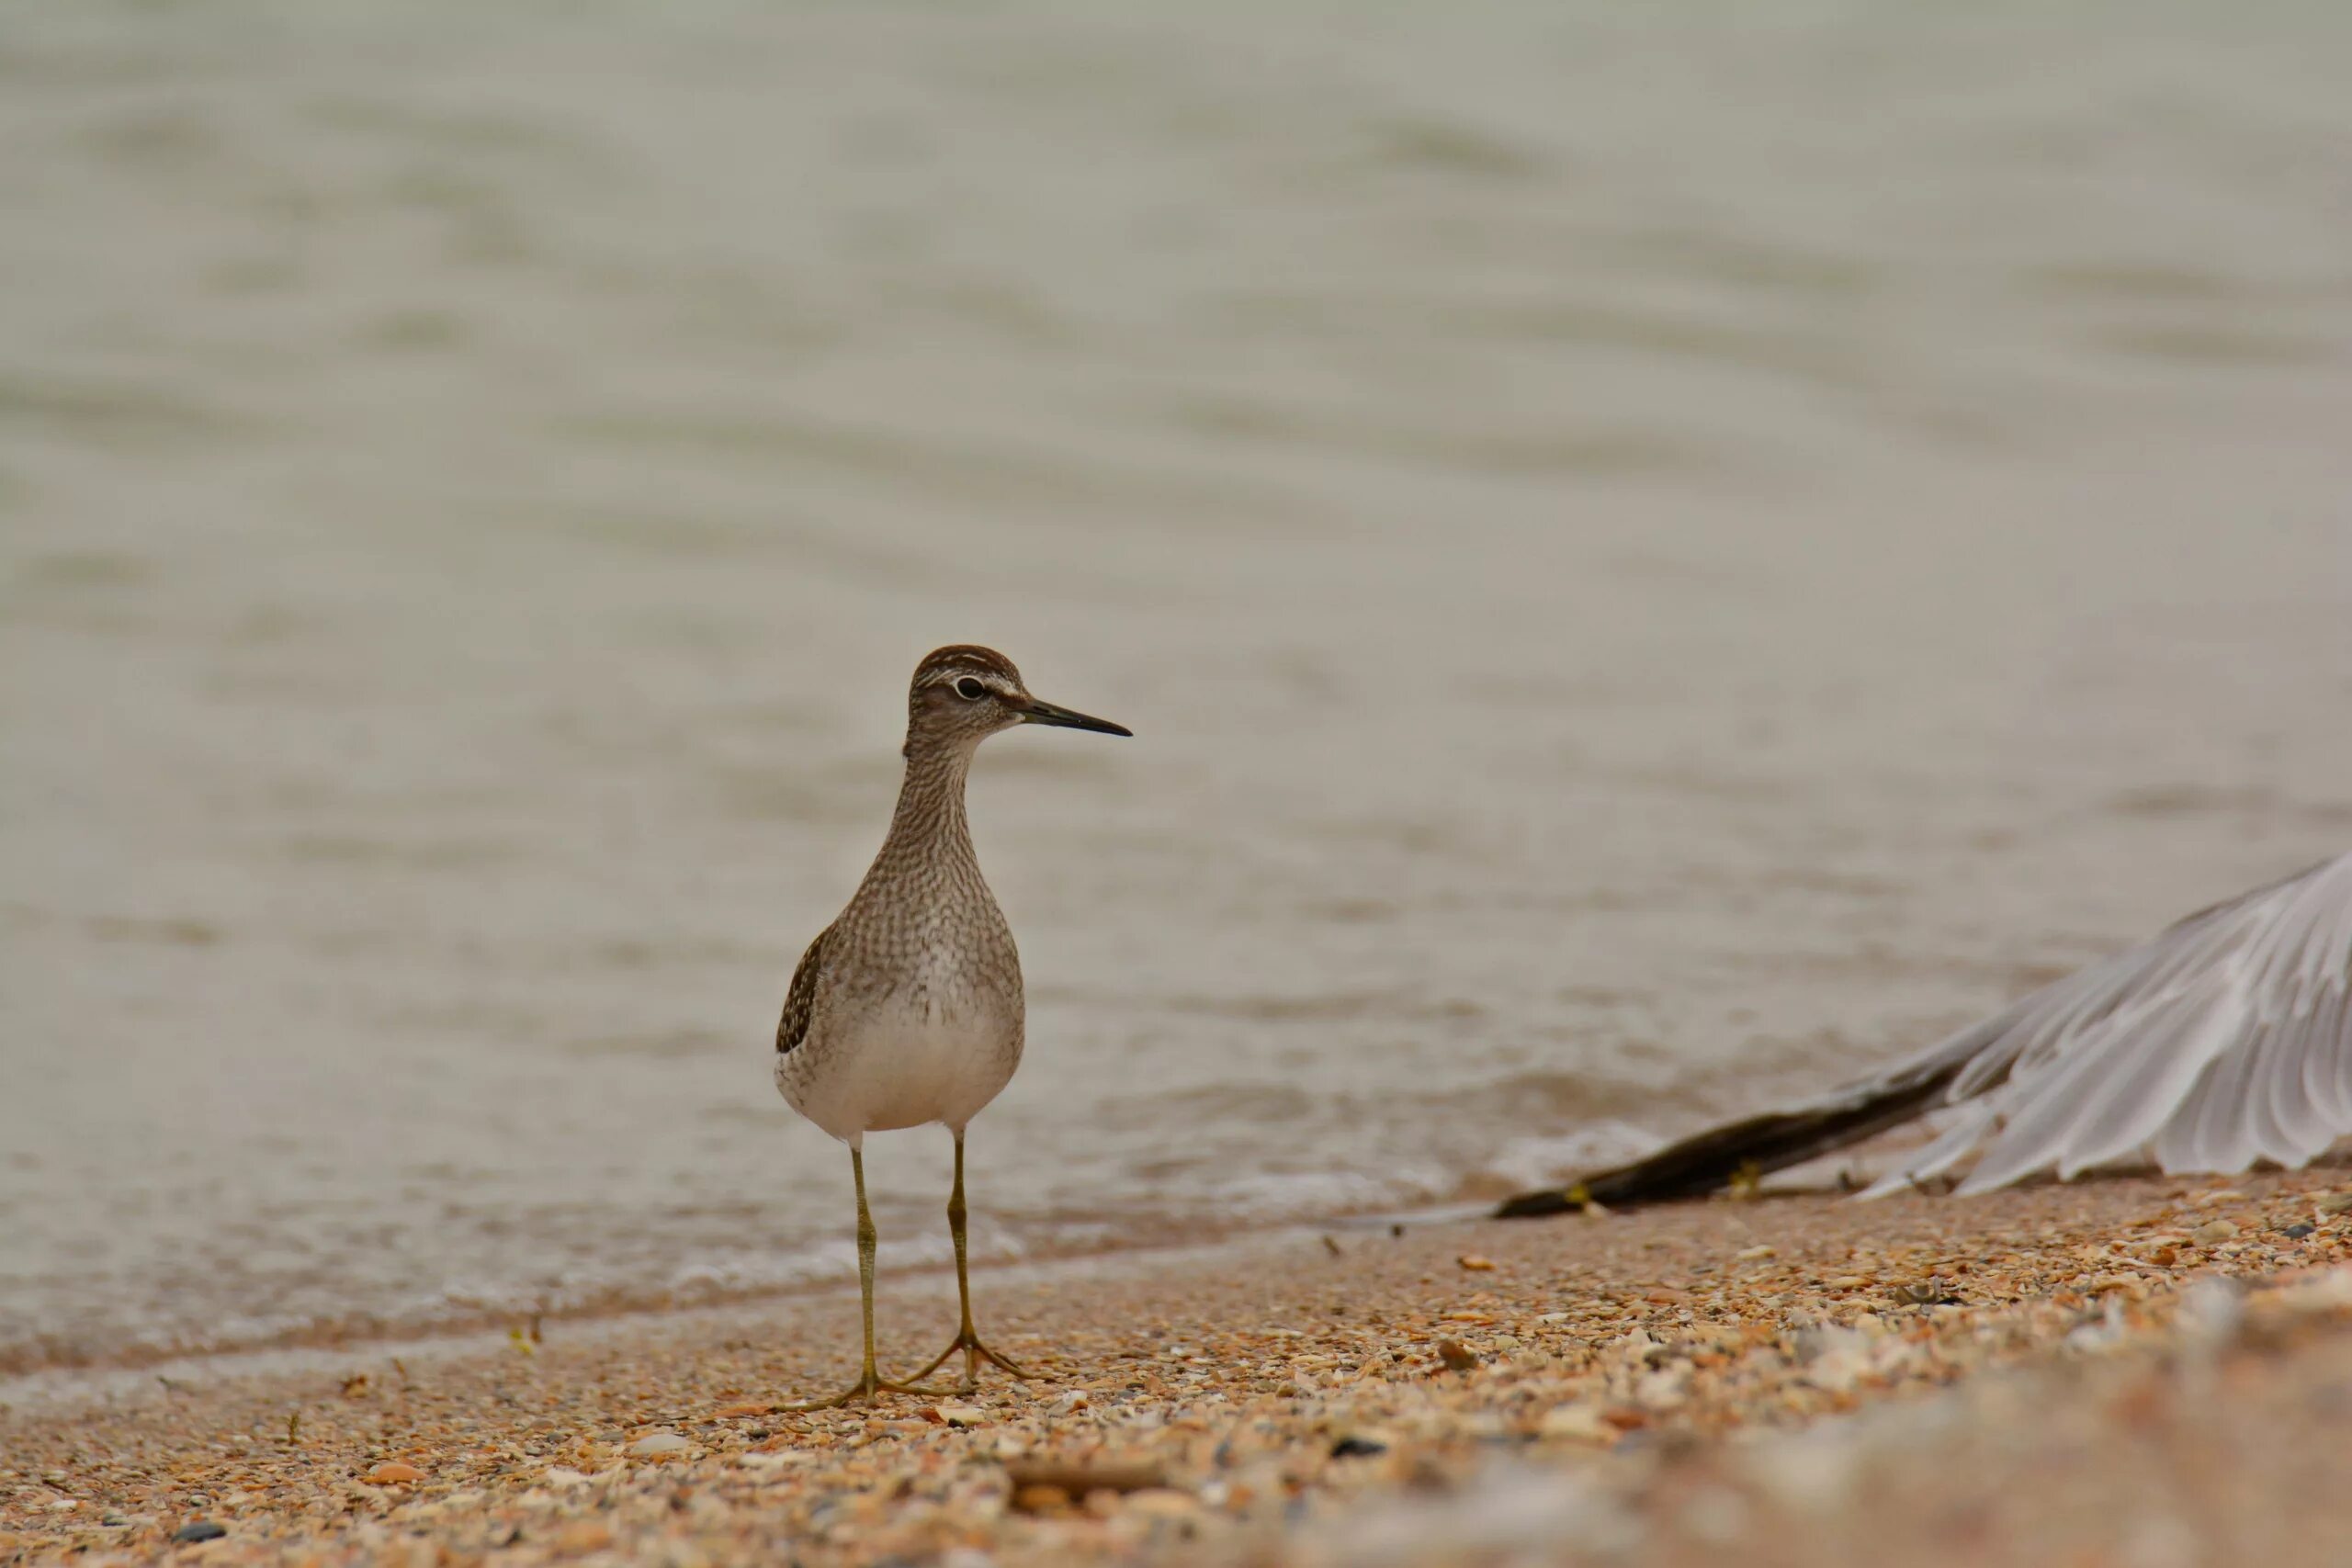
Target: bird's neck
(929,828)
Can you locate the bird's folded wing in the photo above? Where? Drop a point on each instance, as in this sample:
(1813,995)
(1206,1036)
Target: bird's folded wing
(800,1000)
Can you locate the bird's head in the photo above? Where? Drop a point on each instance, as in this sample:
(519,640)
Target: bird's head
(962,695)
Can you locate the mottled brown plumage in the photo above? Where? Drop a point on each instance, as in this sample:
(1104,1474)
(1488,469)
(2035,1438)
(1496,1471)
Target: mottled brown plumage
(800,1001)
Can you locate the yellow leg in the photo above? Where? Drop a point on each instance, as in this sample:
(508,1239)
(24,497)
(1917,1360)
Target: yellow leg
(967,1338)
(869,1383)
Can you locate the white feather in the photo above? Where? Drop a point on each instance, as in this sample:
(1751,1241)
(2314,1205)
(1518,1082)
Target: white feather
(2225,1040)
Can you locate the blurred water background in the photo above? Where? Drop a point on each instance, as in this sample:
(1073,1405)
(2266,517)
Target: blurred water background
(1656,556)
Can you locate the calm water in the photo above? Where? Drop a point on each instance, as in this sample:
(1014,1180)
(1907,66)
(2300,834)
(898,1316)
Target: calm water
(1652,561)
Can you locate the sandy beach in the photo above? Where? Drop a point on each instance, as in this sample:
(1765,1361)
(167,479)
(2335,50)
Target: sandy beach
(2143,1372)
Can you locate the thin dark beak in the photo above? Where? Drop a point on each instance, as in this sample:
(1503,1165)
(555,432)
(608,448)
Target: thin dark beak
(1035,712)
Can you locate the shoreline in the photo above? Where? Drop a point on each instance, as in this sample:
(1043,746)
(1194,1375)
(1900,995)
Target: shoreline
(63,1388)
(51,1378)
(25,1364)
(25,1374)
(362,1331)
(1290,1390)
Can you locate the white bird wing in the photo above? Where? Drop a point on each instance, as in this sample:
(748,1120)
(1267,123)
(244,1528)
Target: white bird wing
(2225,1040)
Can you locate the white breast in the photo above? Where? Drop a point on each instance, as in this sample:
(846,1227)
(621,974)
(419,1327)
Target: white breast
(934,1053)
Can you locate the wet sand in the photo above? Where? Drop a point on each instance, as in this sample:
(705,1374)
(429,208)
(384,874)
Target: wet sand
(2142,1372)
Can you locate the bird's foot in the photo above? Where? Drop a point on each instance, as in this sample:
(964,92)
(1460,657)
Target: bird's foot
(975,1351)
(864,1391)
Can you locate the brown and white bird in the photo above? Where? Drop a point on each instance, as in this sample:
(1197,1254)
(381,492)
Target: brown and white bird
(907,1010)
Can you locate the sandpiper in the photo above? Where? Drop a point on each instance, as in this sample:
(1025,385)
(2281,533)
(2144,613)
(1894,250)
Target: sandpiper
(907,1010)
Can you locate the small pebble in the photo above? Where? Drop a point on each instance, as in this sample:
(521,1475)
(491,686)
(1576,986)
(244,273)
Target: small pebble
(2297,1231)
(1585,1422)
(1357,1447)
(2212,1233)
(1457,1357)
(200,1530)
(655,1444)
(2211,1313)
(1163,1502)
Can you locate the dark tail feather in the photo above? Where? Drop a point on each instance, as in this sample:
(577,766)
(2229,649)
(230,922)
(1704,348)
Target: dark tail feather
(1711,1159)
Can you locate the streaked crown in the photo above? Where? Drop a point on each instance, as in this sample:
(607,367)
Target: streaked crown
(962,693)
(943,666)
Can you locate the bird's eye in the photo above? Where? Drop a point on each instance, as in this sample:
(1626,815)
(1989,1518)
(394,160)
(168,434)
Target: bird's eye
(971,691)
